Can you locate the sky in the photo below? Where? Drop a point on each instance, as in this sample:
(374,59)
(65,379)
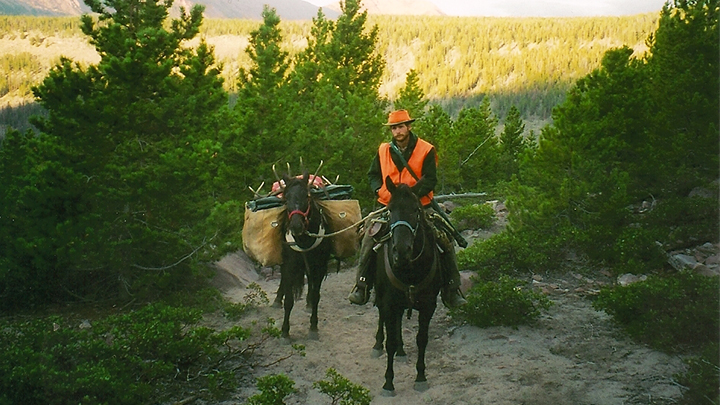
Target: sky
(540,8)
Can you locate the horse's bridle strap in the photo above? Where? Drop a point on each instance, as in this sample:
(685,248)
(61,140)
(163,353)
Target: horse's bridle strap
(408,289)
(294,246)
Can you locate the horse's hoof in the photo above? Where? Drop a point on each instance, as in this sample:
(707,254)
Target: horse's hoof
(308,309)
(314,335)
(387,393)
(401,358)
(286,340)
(276,304)
(376,353)
(421,386)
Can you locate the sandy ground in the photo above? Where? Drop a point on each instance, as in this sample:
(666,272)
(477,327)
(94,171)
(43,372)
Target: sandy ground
(573,355)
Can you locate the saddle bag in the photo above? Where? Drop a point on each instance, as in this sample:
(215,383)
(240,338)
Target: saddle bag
(262,234)
(340,214)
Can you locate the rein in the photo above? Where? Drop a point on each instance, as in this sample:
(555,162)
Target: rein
(409,290)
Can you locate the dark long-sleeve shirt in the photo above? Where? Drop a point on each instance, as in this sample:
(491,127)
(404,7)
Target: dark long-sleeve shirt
(429,170)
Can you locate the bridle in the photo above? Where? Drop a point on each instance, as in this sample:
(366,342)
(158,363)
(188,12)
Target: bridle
(413,230)
(290,239)
(303,213)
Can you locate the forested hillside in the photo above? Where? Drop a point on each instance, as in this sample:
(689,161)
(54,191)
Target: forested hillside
(526,62)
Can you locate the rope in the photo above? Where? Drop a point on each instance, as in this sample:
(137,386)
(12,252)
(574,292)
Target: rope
(327,235)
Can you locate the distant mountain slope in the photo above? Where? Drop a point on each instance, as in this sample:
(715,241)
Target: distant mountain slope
(43,7)
(395,7)
(242,9)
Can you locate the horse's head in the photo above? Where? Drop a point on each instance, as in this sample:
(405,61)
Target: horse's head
(406,220)
(297,201)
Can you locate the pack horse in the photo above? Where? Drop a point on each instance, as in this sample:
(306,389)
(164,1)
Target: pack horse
(305,252)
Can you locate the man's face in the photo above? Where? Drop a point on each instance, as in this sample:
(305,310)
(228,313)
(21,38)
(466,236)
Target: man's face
(401,134)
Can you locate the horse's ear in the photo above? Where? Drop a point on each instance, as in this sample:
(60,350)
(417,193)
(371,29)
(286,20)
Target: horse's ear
(389,184)
(284,181)
(306,176)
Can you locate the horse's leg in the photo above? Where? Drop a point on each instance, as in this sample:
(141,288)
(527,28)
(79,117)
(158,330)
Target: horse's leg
(424,316)
(391,328)
(313,298)
(377,350)
(401,345)
(278,303)
(289,303)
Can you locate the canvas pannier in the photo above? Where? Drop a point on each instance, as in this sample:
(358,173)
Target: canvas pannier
(339,215)
(262,234)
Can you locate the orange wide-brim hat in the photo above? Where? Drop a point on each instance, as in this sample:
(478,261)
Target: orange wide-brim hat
(399,117)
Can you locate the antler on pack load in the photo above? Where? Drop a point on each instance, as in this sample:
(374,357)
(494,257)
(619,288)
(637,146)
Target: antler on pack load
(256,192)
(318,170)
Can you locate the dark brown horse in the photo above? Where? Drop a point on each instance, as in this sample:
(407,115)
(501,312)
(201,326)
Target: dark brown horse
(302,254)
(408,277)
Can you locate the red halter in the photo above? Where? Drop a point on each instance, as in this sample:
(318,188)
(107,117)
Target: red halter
(304,214)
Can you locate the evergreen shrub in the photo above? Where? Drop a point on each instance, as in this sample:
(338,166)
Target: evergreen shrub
(157,353)
(510,253)
(273,390)
(474,216)
(702,376)
(341,390)
(669,313)
(501,303)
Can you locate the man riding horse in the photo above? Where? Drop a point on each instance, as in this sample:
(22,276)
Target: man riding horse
(410,160)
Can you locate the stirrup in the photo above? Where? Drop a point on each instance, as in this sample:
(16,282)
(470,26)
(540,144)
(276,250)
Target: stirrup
(359,295)
(453,299)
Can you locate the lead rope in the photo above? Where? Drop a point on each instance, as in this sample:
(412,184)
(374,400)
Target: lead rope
(327,235)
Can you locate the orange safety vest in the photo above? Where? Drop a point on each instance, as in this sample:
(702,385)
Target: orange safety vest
(388,168)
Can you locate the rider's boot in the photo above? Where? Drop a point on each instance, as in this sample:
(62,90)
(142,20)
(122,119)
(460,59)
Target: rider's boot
(365,277)
(451,295)
(364,280)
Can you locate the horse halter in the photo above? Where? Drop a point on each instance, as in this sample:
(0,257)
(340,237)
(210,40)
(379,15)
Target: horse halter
(403,223)
(413,230)
(299,212)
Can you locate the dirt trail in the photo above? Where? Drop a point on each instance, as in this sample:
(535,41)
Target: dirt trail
(573,355)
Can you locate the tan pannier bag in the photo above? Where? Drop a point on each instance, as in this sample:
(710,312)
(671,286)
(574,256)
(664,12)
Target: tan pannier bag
(339,215)
(262,235)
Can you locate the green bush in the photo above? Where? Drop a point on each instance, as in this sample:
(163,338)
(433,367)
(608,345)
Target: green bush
(685,222)
(156,353)
(501,303)
(273,390)
(669,313)
(475,216)
(509,253)
(702,376)
(636,251)
(341,390)
(253,299)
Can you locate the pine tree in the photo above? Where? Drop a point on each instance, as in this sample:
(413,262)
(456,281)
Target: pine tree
(411,97)
(338,74)
(254,139)
(685,69)
(512,143)
(476,147)
(437,129)
(130,153)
